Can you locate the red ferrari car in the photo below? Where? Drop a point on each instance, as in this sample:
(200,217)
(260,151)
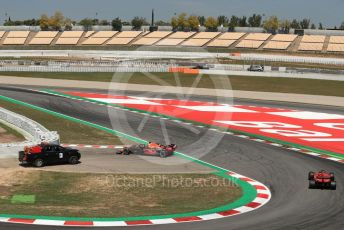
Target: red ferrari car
(322,180)
(152,149)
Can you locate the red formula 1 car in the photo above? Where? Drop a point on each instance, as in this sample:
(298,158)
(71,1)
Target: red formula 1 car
(322,180)
(152,149)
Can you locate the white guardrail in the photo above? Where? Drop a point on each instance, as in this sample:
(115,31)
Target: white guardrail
(35,130)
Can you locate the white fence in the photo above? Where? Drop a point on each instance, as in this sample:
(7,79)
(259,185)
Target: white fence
(84,69)
(38,132)
(288,58)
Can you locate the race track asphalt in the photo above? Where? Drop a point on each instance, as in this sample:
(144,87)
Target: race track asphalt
(292,207)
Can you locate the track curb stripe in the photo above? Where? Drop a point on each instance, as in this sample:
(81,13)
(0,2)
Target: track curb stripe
(93,146)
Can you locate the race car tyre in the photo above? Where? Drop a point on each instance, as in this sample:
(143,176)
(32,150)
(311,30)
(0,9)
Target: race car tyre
(126,152)
(73,160)
(332,176)
(38,163)
(312,184)
(333,185)
(162,154)
(310,175)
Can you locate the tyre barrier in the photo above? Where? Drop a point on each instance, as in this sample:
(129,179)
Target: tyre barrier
(37,132)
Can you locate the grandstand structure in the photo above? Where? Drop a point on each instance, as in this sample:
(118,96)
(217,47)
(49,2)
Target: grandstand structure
(69,38)
(253,40)
(230,40)
(312,43)
(200,39)
(336,44)
(16,38)
(99,38)
(124,38)
(43,38)
(151,38)
(226,39)
(175,39)
(280,41)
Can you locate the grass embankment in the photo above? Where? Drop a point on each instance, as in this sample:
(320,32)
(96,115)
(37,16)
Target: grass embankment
(87,195)
(259,84)
(8,135)
(70,132)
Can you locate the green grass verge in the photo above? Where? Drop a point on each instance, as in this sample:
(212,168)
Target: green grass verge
(70,132)
(120,195)
(9,134)
(260,84)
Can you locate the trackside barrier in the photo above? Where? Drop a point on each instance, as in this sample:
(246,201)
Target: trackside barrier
(38,132)
(183,70)
(191,71)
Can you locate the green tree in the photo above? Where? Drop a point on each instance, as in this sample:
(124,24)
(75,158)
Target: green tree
(44,22)
(137,23)
(18,23)
(271,24)
(341,27)
(182,22)
(211,24)
(162,23)
(57,21)
(9,23)
(243,21)
(295,24)
(222,20)
(255,20)
(233,22)
(193,23)
(116,24)
(304,24)
(86,23)
(320,27)
(174,23)
(285,26)
(30,22)
(201,20)
(68,24)
(104,23)
(95,22)
(313,26)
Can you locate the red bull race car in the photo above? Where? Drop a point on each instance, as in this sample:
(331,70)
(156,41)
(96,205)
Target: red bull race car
(322,180)
(151,149)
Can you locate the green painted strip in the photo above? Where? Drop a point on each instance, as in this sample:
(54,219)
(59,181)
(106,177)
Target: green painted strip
(23,199)
(312,149)
(249,192)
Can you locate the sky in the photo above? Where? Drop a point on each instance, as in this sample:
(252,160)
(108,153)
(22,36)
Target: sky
(329,12)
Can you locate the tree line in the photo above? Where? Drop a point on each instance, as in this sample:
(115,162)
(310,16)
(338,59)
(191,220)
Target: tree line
(181,22)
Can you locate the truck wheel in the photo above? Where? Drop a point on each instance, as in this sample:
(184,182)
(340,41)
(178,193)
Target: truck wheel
(38,163)
(73,160)
(310,175)
(333,185)
(311,184)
